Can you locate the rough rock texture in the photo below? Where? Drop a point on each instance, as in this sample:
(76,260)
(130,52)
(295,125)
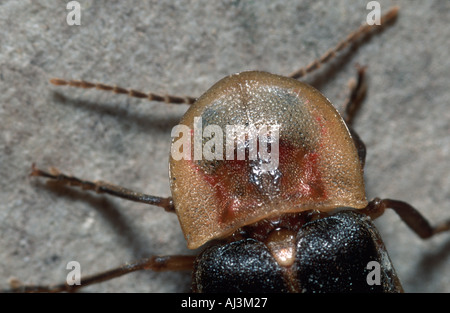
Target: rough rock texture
(182,48)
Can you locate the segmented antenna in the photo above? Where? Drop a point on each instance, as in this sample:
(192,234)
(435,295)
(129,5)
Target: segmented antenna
(327,56)
(389,17)
(120,90)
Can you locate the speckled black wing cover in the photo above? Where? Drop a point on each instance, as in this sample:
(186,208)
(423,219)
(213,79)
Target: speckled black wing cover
(332,256)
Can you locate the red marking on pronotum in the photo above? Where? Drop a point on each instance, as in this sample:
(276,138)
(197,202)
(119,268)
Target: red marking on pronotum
(231,185)
(235,192)
(322,124)
(301,177)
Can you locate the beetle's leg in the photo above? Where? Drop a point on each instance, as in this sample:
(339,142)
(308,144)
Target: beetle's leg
(155,263)
(358,90)
(408,214)
(357,94)
(103,187)
(119,90)
(349,40)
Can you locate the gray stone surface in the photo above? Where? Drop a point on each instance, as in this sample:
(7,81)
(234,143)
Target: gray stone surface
(182,47)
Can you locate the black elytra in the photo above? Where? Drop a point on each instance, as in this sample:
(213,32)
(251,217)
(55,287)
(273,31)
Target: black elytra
(332,255)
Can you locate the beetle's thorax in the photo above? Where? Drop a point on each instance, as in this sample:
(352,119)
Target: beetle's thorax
(278,233)
(297,155)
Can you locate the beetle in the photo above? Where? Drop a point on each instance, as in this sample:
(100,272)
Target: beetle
(278,238)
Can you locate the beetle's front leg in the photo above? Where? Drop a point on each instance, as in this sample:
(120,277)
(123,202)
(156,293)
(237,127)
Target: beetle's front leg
(356,96)
(413,218)
(103,187)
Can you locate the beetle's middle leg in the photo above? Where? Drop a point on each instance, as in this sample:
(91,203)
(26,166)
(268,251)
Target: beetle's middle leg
(155,263)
